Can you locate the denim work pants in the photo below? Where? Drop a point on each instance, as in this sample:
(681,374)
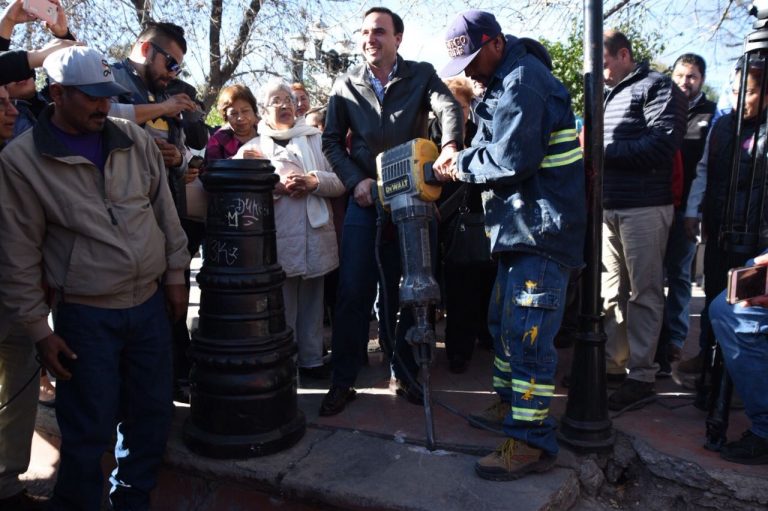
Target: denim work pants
(524,316)
(358,278)
(122,376)
(634,243)
(742,333)
(17,420)
(677,262)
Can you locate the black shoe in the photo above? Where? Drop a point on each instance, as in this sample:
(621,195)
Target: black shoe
(750,449)
(615,377)
(335,400)
(458,365)
(665,368)
(630,393)
(322,372)
(409,392)
(23,501)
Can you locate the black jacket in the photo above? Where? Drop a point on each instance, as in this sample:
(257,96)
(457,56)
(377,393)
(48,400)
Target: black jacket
(644,126)
(375,127)
(699,122)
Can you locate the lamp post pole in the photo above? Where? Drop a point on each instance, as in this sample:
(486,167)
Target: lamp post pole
(586,425)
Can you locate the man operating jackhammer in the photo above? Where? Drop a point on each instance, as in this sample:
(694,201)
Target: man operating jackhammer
(526,151)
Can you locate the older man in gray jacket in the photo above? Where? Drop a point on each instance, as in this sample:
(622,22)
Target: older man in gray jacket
(382,103)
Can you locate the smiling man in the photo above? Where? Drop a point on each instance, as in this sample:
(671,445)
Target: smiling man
(85,207)
(382,103)
(527,153)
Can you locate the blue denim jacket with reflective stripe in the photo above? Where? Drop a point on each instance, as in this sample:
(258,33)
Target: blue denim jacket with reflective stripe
(527,152)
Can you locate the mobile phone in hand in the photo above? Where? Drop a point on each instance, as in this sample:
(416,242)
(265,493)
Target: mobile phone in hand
(43,9)
(745,283)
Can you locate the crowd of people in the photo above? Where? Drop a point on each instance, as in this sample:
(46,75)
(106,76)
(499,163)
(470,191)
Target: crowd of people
(101,207)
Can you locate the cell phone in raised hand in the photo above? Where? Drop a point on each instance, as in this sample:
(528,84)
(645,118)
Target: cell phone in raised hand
(43,9)
(745,283)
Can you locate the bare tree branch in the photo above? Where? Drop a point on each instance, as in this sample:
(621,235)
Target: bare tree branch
(723,17)
(143,11)
(616,8)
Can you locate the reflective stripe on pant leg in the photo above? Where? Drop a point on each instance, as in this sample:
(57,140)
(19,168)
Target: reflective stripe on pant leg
(533,309)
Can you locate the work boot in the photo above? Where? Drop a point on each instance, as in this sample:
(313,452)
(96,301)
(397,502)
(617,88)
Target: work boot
(629,393)
(512,460)
(490,418)
(335,400)
(750,449)
(692,365)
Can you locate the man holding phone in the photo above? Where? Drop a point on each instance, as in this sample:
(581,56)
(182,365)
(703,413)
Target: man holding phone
(741,331)
(150,73)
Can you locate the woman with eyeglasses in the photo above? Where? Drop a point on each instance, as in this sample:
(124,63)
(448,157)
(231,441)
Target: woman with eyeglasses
(237,108)
(306,239)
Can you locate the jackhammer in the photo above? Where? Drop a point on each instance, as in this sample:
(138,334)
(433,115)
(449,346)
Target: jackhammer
(407,188)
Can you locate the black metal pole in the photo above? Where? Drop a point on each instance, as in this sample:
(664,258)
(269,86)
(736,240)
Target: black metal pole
(243,400)
(585,425)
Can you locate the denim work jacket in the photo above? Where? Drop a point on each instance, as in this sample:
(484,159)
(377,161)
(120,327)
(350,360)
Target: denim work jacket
(526,151)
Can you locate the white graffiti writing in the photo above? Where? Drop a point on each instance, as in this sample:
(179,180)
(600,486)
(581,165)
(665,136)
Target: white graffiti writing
(219,251)
(244,212)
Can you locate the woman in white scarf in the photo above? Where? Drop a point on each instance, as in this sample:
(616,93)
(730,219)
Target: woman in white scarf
(306,239)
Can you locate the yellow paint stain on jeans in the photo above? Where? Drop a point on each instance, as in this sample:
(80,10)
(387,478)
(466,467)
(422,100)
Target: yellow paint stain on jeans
(528,395)
(533,334)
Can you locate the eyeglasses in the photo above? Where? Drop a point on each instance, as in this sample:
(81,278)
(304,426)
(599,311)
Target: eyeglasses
(171,64)
(234,114)
(277,102)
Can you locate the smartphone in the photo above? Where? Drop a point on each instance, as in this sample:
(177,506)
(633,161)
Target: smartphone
(746,283)
(43,9)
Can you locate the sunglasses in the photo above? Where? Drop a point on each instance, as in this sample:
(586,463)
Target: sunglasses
(171,64)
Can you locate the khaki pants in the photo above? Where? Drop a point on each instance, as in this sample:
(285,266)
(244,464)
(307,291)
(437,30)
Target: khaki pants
(17,420)
(634,243)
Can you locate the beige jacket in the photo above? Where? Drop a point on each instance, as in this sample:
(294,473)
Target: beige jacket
(303,250)
(100,239)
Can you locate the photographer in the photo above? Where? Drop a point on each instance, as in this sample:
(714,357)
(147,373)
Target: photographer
(741,332)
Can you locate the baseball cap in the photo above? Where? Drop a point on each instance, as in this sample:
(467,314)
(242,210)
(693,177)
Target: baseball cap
(466,36)
(83,68)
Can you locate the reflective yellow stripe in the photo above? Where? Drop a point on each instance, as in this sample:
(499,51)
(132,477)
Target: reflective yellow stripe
(501,382)
(526,414)
(566,158)
(536,389)
(501,365)
(558,137)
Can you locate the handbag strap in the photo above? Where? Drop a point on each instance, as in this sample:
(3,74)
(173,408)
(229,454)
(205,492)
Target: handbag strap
(452,203)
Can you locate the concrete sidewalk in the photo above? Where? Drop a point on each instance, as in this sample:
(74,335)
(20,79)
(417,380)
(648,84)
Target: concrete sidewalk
(372,456)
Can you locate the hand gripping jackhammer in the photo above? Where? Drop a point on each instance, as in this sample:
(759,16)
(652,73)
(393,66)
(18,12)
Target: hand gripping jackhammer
(407,189)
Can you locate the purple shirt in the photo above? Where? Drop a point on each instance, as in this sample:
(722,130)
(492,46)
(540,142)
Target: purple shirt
(88,146)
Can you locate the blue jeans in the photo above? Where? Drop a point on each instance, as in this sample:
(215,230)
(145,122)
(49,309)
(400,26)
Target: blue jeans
(742,333)
(358,278)
(524,316)
(677,263)
(122,376)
